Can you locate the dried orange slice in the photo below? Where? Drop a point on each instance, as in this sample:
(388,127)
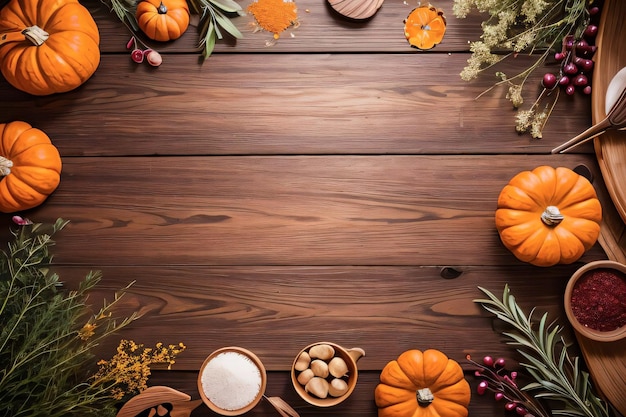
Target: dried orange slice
(424,27)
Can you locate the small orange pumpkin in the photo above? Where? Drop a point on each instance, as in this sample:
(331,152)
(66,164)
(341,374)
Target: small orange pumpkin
(424,27)
(47,46)
(163,20)
(422,384)
(548,216)
(30,165)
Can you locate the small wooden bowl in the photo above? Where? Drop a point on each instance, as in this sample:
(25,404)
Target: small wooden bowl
(249,406)
(350,356)
(597,335)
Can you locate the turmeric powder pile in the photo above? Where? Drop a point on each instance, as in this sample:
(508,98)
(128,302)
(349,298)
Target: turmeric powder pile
(274,15)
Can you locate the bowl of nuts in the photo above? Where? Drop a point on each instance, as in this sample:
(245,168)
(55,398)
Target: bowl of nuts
(325,374)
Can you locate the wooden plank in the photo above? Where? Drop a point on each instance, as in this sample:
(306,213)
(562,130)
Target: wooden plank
(276,311)
(320,30)
(360,210)
(289,104)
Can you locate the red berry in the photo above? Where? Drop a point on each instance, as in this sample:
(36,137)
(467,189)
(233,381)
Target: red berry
(510,406)
(570,68)
(488,361)
(591,31)
(594,10)
(498,396)
(482,387)
(500,362)
(587,89)
(570,89)
(559,56)
(549,81)
(521,411)
(586,65)
(137,55)
(564,80)
(580,80)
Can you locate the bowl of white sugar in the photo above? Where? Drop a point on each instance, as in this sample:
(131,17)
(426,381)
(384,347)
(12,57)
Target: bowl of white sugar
(232,381)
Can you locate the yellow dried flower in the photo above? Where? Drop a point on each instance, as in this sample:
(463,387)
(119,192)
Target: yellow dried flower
(128,371)
(87,331)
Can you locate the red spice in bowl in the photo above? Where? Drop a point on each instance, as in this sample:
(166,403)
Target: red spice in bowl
(595,301)
(599,300)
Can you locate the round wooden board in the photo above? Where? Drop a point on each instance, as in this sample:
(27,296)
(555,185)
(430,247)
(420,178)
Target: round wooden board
(607,360)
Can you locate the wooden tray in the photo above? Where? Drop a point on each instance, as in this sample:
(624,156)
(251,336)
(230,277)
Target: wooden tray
(607,360)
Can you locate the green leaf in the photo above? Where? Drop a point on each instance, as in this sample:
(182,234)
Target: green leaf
(209,41)
(227,25)
(230,6)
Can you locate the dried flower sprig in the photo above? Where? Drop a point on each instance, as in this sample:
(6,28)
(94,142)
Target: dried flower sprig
(128,371)
(536,27)
(557,375)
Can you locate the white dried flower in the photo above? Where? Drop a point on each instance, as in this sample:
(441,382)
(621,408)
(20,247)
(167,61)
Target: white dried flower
(515,95)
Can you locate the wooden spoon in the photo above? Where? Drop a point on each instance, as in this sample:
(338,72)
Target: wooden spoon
(615,117)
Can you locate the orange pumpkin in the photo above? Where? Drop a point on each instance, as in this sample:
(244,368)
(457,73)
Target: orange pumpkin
(163,20)
(47,46)
(548,216)
(422,384)
(30,166)
(424,27)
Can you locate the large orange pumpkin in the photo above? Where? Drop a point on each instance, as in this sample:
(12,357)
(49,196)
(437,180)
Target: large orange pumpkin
(424,27)
(548,216)
(30,166)
(422,384)
(47,46)
(163,20)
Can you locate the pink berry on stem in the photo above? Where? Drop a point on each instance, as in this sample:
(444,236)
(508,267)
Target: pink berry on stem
(570,68)
(586,65)
(510,406)
(521,411)
(570,89)
(137,55)
(559,56)
(498,396)
(587,90)
(564,80)
(488,361)
(594,10)
(500,362)
(482,387)
(154,58)
(130,43)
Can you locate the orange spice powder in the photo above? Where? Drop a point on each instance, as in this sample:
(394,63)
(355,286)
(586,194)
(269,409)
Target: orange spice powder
(274,15)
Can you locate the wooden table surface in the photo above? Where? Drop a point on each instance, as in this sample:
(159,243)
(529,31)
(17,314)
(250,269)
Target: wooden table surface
(271,197)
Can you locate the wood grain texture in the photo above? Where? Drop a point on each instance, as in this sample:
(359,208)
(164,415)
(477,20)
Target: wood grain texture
(286,104)
(271,197)
(270,210)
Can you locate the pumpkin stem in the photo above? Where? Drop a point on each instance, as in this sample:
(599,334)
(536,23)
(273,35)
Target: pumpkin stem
(424,397)
(36,35)
(5,166)
(162,9)
(551,216)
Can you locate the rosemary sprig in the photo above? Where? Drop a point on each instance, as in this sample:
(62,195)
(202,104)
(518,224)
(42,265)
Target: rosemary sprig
(558,376)
(44,348)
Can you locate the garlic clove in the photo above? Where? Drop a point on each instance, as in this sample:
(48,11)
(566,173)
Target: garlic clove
(302,362)
(323,351)
(305,376)
(337,367)
(337,387)
(319,368)
(318,387)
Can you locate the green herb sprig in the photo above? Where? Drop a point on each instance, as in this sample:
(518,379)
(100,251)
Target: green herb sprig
(47,333)
(557,375)
(214,18)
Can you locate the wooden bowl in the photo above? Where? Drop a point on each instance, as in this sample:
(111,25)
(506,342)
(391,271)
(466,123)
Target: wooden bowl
(350,356)
(588,332)
(232,381)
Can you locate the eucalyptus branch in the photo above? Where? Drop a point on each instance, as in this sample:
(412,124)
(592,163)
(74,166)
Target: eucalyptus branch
(557,375)
(213,16)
